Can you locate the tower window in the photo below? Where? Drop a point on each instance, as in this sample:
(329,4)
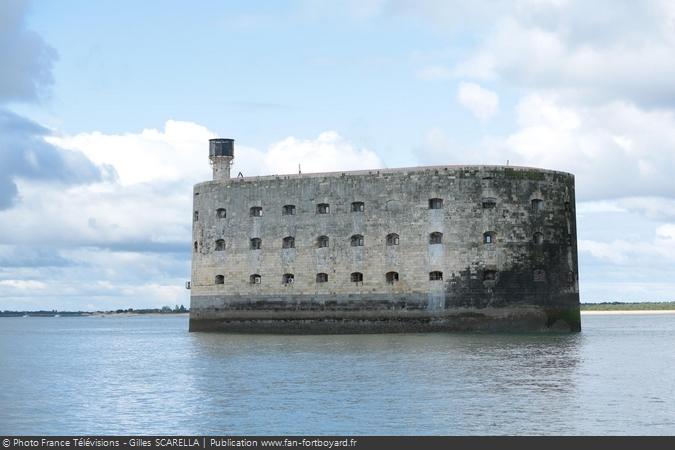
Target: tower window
(220,245)
(196,216)
(196,246)
(220,279)
(538,238)
(357,240)
(322,241)
(537,204)
(255,279)
(435,203)
(436,238)
(435,275)
(357,277)
(323,208)
(357,206)
(568,206)
(321,277)
(489,275)
(489,202)
(255,244)
(255,211)
(391,277)
(489,237)
(288,242)
(288,279)
(288,210)
(221,213)
(392,239)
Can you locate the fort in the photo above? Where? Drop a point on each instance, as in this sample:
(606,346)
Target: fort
(443,248)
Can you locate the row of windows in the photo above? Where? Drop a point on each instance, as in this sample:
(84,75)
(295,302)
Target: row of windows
(355,277)
(539,276)
(537,205)
(357,240)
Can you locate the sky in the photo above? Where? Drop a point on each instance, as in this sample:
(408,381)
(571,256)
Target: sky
(106,109)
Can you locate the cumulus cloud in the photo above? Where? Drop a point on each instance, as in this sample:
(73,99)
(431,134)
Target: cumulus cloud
(482,103)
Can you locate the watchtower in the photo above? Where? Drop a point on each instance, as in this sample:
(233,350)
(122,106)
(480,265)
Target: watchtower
(221,154)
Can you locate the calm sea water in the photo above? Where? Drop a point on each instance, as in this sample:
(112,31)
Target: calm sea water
(147,375)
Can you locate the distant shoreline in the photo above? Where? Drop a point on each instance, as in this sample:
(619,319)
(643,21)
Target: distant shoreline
(597,312)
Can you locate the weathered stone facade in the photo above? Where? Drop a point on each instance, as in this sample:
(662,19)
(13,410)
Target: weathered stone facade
(437,248)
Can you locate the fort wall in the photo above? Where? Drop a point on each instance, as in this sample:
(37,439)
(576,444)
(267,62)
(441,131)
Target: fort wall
(415,249)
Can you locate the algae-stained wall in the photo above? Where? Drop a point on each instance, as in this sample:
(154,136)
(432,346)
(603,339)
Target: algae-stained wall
(508,242)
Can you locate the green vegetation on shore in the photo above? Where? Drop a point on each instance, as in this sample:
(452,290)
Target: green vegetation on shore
(620,306)
(53,313)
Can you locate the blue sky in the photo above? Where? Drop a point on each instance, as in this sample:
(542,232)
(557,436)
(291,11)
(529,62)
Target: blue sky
(106,109)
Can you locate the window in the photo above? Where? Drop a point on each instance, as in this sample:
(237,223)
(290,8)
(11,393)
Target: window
(322,241)
(196,216)
(436,238)
(489,275)
(537,204)
(357,240)
(196,246)
(539,275)
(288,242)
(323,208)
(255,279)
(221,213)
(357,277)
(392,239)
(220,279)
(435,203)
(391,277)
(256,244)
(568,206)
(357,206)
(538,238)
(220,245)
(321,277)
(288,279)
(256,211)
(489,203)
(288,210)
(488,237)
(435,275)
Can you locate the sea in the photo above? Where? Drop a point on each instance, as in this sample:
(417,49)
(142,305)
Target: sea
(148,375)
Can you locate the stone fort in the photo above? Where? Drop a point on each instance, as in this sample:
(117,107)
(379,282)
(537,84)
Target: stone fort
(443,248)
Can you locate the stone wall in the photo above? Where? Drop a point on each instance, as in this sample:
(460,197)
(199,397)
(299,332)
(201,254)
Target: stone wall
(507,256)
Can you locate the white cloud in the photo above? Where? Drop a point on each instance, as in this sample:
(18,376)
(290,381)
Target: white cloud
(483,103)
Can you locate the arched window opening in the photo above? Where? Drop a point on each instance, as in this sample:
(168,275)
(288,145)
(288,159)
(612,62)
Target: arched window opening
(255,211)
(322,241)
(255,279)
(392,239)
(489,237)
(568,206)
(288,210)
(435,203)
(436,238)
(537,204)
(539,275)
(357,277)
(391,277)
(221,213)
(489,202)
(489,275)
(220,279)
(538,238)
(288,242)
(195,246)
(220,245)
(357,206)
(321,277)
(288,279)
(357,240)
(196,216)
(435,275)
(256,244)
(323,208)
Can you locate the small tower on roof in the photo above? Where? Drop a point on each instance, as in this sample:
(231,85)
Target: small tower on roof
(221,154)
